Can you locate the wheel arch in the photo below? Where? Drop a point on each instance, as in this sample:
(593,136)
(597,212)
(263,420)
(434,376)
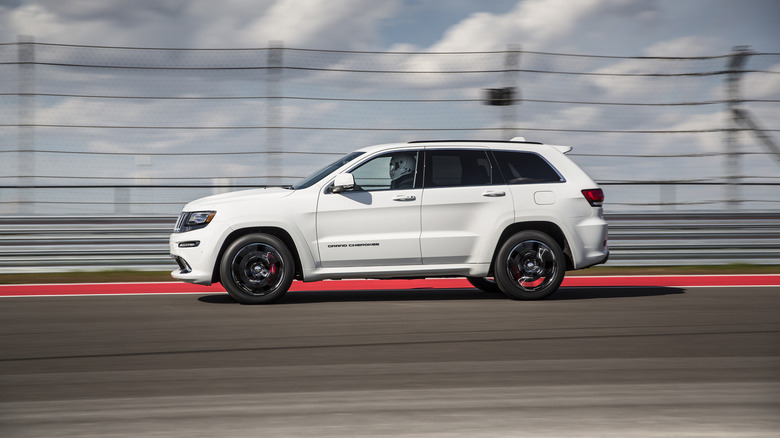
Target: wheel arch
(277,232)
(549,228)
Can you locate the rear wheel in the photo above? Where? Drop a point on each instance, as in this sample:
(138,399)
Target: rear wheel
(530,266)
(257,269)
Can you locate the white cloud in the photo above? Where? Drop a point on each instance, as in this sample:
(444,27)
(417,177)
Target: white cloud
(688,46)
(335,23)
(537,24)
(762,85)
(343,24)
(575,117)
(33,20)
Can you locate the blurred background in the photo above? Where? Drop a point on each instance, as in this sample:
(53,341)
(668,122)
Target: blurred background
(141,131)
(108,131)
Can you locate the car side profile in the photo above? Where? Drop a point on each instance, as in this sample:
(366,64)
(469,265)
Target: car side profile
(511,216)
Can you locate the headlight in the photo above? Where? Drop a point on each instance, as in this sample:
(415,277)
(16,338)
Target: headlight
(193,220)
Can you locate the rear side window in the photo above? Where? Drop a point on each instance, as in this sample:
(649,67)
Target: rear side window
(525,168)
(452,168)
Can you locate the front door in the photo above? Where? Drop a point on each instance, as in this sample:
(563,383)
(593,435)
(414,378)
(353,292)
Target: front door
(378,223)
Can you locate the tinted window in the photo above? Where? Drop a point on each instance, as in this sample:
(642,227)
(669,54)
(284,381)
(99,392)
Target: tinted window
(391,171)
(457,168)
(525,168)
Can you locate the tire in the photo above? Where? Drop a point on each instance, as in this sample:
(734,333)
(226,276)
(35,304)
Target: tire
(487,284)
(257,269)
(530,266)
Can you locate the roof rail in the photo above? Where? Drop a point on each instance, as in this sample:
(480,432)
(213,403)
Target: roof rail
(476,141)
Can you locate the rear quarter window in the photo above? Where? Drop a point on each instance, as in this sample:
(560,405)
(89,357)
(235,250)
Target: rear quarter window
(526,168)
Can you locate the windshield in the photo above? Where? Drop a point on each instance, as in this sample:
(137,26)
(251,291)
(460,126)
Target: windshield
(325,171)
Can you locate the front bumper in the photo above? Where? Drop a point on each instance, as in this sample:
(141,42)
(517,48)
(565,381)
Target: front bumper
(184,267)
(195,263)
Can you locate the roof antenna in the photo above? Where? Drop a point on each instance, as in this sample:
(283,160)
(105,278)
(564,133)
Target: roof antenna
(518,139)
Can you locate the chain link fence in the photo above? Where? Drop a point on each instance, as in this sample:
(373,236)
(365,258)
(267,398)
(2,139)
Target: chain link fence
(88,130)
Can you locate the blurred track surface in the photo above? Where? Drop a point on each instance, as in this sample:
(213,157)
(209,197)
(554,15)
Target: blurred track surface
(174,287)
(592,361)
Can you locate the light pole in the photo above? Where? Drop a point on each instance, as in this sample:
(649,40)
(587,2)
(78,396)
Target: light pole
(507,96)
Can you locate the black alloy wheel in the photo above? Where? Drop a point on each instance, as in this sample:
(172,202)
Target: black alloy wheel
(530,266)
(257,269)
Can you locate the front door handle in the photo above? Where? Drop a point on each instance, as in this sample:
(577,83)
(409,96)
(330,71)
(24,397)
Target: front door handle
(493,193)
(403,198)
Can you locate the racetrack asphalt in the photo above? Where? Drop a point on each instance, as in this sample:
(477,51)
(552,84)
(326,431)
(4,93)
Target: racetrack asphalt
(346,285)
(592,361)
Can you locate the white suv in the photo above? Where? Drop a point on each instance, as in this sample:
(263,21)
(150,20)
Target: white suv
(510,216)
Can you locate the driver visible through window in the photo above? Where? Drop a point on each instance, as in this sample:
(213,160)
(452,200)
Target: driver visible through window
(392,171)
(402,171)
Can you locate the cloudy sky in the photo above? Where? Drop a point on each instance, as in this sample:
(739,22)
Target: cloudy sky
(619,28)
(610,27)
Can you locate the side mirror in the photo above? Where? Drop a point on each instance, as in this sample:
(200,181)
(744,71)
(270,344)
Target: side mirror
(343,182)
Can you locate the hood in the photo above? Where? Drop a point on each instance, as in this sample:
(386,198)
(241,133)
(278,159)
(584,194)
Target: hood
(213,202)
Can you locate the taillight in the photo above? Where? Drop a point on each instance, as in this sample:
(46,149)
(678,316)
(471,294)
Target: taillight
(594,196)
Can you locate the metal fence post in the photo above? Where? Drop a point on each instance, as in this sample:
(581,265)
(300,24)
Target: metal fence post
(274,114)
(26,113)
(735,63)
(509,112)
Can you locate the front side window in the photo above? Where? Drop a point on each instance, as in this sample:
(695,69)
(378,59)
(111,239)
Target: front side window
(525,168)
(390,171)
(453,168)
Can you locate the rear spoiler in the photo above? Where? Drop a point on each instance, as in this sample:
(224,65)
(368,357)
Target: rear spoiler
(563,149)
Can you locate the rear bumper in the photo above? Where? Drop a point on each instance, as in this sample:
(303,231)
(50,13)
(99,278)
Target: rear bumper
(602,261)
(590,246)
(598,258)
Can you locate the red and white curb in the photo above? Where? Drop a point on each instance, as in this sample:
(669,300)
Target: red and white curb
(76,289)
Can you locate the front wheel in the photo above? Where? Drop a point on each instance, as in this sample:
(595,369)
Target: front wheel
(257,269)
(530,266)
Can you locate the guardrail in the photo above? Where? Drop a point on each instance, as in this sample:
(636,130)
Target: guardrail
(667,239)
(55,244)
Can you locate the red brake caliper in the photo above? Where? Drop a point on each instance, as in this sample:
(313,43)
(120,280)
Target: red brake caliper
(270,257)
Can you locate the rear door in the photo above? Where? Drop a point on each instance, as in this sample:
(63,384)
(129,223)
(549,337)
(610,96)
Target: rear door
(464,203)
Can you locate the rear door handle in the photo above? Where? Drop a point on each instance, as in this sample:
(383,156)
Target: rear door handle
(403,198)
(493,193)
